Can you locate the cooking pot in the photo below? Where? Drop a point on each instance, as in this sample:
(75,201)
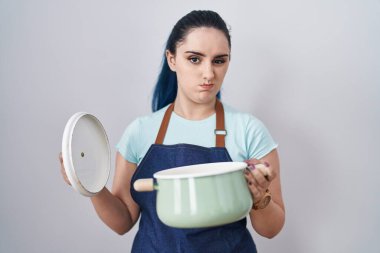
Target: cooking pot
(202,195)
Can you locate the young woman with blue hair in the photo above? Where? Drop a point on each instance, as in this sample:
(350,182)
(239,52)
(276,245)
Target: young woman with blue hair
(196,59)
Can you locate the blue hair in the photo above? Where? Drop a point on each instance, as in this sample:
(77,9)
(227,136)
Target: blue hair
(165,91)
(166,87)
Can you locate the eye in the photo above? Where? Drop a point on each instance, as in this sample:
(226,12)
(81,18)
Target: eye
(219,61)
(194,59)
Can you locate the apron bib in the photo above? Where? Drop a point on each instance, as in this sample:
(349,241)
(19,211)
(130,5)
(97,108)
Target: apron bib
(153,235)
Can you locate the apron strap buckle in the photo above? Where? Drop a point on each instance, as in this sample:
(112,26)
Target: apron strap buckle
(220,132)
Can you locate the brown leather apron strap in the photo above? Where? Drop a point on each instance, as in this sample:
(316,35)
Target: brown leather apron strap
(220,131)
(164,125)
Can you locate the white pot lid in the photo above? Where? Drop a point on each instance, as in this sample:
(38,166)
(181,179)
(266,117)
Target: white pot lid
(86,153)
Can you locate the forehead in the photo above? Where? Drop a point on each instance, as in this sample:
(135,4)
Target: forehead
(206,40)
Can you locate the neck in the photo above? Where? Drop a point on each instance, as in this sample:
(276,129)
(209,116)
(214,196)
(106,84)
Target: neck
(194,111)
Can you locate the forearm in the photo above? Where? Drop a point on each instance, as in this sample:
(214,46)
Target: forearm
(269,221)
(112,211)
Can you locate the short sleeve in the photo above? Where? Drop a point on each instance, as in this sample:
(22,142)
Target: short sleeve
(259,140)
(127,145)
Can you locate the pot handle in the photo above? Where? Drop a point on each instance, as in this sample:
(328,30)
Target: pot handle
(144,185)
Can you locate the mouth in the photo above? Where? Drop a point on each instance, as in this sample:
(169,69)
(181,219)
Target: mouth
(207,86)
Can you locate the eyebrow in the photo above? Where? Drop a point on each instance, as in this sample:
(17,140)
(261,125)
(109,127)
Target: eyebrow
(200,54)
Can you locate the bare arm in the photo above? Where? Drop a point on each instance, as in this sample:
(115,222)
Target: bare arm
(269,221)
(117,209)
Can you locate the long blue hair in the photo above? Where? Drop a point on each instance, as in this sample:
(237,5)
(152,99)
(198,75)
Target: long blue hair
(165,90)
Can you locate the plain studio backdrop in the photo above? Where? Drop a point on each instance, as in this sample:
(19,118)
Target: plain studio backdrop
(308,69)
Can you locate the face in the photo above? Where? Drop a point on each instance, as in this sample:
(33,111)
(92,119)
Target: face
(201,62)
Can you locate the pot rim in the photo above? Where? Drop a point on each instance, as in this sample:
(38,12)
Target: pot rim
(200,170)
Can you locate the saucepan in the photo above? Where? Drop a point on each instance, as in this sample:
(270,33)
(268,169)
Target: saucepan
(202,195)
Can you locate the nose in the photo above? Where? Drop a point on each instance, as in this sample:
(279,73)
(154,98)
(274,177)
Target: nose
(208,72)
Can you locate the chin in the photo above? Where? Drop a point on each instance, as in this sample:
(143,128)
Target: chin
(205,99)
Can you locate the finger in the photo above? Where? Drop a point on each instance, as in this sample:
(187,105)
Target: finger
(260,179)
(267,175)
(64,175)
(248,176)
(256,192)
(258,175)
(266,171)
(253,182)
(252,161)
(63,171)
(61,160)
(253,189)
(270,173)
(66,179)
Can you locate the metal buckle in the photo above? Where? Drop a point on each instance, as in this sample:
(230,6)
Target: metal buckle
(220,132)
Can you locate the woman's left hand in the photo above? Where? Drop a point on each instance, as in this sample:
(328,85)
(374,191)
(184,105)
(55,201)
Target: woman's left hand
(259,175)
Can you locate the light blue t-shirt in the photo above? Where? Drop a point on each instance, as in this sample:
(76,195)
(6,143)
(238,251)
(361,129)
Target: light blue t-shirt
(247,137)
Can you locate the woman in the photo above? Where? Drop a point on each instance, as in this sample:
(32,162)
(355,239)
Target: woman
(195,62)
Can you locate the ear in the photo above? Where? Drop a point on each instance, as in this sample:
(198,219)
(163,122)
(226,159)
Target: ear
(171,60)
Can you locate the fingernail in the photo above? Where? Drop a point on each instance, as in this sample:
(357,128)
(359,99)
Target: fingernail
(251,166)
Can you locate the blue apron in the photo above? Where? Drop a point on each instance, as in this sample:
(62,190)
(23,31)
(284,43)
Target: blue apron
(153,235)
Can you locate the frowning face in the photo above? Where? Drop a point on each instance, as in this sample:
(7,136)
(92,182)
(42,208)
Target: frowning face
(201,62)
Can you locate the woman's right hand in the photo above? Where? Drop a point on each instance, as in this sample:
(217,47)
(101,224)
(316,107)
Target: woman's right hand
(63,172)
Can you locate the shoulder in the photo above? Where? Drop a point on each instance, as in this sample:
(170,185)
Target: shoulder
(146,127)
(251,135)
(152,118)
(139,135)
(240,117)
(145,122)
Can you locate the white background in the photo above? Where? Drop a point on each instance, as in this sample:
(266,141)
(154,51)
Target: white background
(308,69)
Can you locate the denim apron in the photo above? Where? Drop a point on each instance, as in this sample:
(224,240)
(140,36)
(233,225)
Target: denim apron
(153,235)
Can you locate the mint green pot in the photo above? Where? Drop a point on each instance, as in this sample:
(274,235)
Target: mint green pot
(202,195)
